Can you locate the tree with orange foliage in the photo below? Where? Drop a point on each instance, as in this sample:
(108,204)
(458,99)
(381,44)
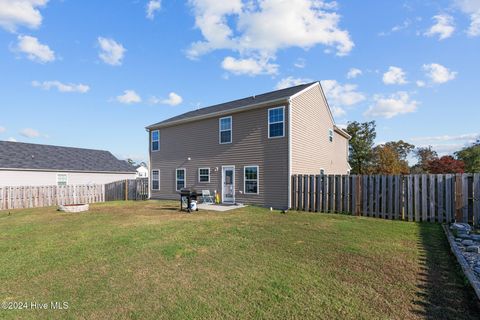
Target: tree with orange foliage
(446,164)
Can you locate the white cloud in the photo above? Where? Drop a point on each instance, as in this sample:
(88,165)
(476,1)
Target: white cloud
(241,26)
(152,7)
(30,133)
(173,99)
(468,138)
(353,73)
(129,97)
(62,87)
(14,13)
(2,129)
(35,50)
(340,96)
(291,82)
(420,83)
(471,8)
(112,52)
(444,27)
(394,75)
(438,73)
(391,106)
(250,66)
(12,139)
(300,63)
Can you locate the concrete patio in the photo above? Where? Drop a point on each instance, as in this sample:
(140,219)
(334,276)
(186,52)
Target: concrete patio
(219,207)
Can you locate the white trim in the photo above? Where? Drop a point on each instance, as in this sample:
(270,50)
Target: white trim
(219,113)
(184,178)
(220,130)
(233,180)
(289,183)
(304,90)
(66,176)
(245,180)
(74,171)
(152,141)
(283,122)
(199,175)
(151,180)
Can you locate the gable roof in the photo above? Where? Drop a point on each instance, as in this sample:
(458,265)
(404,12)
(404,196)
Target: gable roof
(29,156)
(235,105)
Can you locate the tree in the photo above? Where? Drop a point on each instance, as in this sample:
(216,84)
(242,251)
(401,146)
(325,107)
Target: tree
(361,145)
(446,164)
(424,155)
(391,158)
(131,162)
(471,157)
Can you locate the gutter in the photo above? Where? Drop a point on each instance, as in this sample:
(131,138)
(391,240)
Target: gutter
(72,171)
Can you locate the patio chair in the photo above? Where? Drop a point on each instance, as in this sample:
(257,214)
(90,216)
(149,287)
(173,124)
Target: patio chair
(207,198)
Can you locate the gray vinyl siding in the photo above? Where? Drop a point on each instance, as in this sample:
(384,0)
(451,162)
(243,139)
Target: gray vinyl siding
(199,141)
(311,148)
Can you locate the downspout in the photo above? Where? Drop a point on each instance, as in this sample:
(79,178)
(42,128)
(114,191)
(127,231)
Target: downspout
(150,166)
(289,154)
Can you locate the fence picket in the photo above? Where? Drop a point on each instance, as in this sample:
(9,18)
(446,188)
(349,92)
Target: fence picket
(476,199)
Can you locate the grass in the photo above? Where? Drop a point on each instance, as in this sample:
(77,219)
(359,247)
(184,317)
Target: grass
(145,260)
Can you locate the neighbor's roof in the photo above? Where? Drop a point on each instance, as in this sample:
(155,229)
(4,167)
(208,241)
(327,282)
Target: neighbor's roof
(272,96)
(29,156)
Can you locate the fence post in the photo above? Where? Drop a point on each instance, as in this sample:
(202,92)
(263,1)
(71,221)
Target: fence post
(476,199)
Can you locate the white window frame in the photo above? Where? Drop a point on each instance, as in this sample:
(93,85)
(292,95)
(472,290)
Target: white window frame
(220,130)
(184,178)
(269,123)
(199,181)
(66,178)
(330,135)
(152,141)
(153,180)
(245,180)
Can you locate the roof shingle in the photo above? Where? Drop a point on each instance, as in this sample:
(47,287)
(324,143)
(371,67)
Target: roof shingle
(18,155)
(232,105)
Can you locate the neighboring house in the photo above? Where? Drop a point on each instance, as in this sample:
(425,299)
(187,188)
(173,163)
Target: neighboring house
(27,164)
(142,171)
(247,149)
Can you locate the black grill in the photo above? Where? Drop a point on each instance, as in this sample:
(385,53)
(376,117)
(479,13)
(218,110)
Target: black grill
(189,195)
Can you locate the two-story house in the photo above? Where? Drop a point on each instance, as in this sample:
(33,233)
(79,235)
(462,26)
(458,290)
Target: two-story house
(247,149)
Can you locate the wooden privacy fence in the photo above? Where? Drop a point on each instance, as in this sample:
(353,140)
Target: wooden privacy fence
(136,189)
(43,196)
(433,198)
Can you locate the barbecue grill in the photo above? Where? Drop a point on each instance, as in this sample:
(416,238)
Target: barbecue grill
(189,195)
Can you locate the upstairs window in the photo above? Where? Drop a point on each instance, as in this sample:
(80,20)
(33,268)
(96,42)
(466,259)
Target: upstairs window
(62,179)
(251,180)
(204,175)
(155,140)
(276,122)
(155,180)
(330,135)
(180,179)
(225,130)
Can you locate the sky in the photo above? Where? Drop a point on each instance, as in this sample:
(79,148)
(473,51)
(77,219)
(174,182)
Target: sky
(93,74)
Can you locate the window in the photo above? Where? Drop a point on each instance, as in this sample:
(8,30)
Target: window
(155,140)
(204,175)
(225,128)
(155,179)
(276,122)
(330,135)
(251,179)
(180,179)
(62,179)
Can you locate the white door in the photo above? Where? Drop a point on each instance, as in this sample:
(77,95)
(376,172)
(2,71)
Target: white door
(228,184)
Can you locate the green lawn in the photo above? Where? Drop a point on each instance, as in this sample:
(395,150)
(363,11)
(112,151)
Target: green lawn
(146,260)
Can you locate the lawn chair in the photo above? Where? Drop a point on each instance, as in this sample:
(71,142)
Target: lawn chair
(207,198)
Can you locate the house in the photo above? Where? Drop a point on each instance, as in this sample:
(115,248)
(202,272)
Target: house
(247,149)
(142,171)
(28,164)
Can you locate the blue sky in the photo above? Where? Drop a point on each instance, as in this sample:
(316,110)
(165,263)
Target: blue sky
(93,74)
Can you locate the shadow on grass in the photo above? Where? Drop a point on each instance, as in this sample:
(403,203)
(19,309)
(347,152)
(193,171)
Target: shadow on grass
(443,290)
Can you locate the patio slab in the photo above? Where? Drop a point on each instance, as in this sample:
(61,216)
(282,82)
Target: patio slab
(219,207)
